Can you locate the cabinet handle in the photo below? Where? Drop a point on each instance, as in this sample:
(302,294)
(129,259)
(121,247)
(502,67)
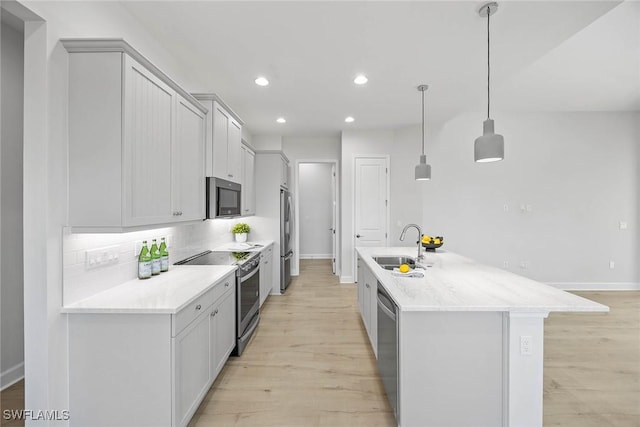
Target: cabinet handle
(230,176)
(214,313)
(198,307)
(226,285)
(180,213)
(175,213)
(366,284)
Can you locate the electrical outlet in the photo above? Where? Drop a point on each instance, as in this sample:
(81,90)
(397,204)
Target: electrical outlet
(612,265)
(529,208)
(505,264)
(102,256)
(169,240)
(525,345)
(623,225)
(505,207)
(524,264)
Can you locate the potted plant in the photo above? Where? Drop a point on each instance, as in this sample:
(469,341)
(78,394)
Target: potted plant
(241,230)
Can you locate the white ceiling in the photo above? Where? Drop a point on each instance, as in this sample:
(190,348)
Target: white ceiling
(550,56)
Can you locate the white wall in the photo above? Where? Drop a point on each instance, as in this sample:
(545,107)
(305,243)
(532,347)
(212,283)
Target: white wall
(577,173)
(405,204)
(315,209)
(11,281)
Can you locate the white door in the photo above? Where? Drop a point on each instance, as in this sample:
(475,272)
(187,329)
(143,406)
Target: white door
(370,196)
(333,218)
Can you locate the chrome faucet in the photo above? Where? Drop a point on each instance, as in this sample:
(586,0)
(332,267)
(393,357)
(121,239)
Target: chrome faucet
(417,227)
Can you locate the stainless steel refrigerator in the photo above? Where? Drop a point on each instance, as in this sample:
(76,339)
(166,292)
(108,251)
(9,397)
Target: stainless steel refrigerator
(286,228)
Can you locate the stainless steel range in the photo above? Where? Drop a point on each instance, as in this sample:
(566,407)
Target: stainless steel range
(247,289)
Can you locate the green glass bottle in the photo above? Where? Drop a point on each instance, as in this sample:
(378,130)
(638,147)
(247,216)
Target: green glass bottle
(164,256)
(144,262)
(155,258)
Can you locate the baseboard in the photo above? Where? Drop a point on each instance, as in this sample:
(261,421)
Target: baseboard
(316,256)
(346,279)
(600,286)
(11,376)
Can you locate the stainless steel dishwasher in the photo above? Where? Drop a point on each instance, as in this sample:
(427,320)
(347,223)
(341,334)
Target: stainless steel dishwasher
(388,346)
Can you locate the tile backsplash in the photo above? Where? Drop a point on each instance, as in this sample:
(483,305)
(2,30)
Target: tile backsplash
(82,280)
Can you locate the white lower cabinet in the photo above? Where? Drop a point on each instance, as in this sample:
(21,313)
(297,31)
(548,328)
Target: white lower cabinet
(368,303)
(223,332)
(149,369)
(192,376)
(266,273)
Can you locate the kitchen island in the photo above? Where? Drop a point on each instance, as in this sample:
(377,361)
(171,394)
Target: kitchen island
(469,338)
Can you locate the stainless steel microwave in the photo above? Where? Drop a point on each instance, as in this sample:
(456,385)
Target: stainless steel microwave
(223,198)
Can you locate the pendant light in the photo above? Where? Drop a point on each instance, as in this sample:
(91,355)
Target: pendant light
(423,170)
(490,146)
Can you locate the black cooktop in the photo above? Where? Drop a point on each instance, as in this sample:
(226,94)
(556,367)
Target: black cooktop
(219,258)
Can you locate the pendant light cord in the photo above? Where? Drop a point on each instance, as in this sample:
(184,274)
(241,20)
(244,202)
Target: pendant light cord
(488,61)
(423,122)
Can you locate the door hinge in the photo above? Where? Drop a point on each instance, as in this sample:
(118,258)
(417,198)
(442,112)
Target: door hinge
(385,236)
(386,203)
(386,170)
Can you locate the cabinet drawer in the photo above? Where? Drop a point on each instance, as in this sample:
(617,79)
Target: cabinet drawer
(188,314)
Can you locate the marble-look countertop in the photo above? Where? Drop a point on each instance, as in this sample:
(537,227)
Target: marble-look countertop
(454,283)
(167,293)
(244,247)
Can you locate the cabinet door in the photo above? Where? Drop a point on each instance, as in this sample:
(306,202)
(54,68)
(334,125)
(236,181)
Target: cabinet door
(360,279)
(192,368)
(234,144)
(188,163)
(266,274)
(248,182)
(373,309)
(147,118)
(223,331)
(284,174)
(220,138)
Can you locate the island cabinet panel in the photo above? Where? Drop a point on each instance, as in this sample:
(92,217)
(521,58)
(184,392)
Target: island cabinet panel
(368,302)
(450,369)
(132,131)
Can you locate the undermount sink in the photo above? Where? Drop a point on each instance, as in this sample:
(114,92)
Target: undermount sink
(391,262)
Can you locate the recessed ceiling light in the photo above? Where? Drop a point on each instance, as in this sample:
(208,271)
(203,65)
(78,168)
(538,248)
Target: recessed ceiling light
(281,120)
(262,81)
(349,119)
(360,79)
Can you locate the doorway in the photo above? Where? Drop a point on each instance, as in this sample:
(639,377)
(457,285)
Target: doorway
(316,199)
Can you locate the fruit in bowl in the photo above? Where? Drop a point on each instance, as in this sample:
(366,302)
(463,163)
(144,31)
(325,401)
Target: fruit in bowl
(431,243)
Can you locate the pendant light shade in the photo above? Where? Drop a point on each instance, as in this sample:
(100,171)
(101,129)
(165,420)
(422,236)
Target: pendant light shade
(423,170)
(490,146)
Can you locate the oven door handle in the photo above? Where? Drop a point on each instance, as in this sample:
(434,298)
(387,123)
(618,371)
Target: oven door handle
(249,276)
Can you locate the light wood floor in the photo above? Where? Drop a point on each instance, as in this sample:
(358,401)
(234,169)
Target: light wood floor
(310,364)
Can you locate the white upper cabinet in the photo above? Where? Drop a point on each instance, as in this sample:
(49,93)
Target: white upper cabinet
(284,173)
(248,181)
(188,166)
(136,141)
(223,140)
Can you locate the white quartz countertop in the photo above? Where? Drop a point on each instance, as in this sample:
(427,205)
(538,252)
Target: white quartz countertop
(256,246)
(167,293)
(454,283)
